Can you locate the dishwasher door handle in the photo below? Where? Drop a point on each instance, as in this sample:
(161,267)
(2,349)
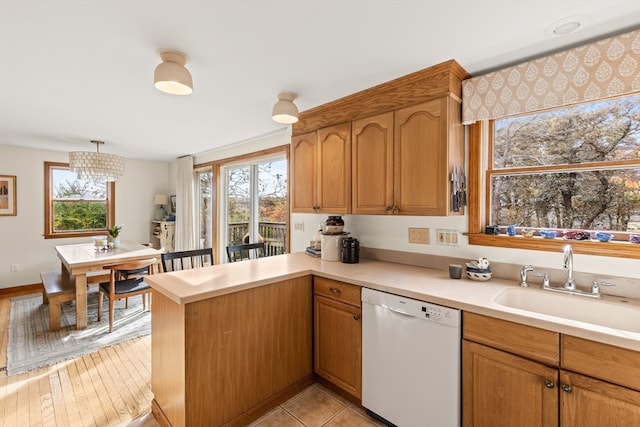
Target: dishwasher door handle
(400,312)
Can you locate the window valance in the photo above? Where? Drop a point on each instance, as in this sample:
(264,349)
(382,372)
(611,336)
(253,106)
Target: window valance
(602,69)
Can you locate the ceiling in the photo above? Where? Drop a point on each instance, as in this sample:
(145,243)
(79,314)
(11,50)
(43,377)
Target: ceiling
(72,71)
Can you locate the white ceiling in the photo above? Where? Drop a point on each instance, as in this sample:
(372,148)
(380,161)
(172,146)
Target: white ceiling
(72,71)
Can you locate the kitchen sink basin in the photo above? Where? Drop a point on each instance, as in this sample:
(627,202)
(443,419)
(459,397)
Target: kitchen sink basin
(609,313)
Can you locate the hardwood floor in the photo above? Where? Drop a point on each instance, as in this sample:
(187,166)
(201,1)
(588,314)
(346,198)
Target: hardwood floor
(112,387)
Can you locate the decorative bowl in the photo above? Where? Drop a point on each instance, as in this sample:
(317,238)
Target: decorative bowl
(528,232)
(634,238)
(549,234)
(603,237)
(576,235)
(478,276)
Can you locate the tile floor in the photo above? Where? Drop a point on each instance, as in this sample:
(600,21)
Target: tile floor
(315,406)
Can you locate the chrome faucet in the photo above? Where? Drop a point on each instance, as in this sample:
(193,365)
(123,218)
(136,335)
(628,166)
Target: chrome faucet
(523,275)
(567,264)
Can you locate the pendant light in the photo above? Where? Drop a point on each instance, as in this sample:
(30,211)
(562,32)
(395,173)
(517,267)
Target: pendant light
(285,111)
(97,166)
(171,76)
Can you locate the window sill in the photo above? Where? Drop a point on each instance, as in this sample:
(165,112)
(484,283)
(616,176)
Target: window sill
(611,249)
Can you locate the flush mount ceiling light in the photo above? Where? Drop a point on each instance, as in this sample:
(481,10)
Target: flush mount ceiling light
(96,166)
(171,76)
(285,111)
(567,25)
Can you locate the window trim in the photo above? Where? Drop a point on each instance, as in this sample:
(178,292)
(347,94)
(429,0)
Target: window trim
(479,158)
(49,232)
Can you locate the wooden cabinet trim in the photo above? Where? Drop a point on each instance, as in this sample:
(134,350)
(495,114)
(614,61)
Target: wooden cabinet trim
(604,361)
(534,343)
(339,291)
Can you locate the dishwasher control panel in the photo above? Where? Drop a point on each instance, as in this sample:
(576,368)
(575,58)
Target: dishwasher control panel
(412,307)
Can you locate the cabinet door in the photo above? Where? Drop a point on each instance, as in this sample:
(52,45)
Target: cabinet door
(334,169)
(503,390)
(420,162)
(338,344)
(304,161)
(372,165)
(587,402)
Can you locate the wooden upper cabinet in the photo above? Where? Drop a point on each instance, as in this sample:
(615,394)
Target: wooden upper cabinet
(321,171)
(372,165)
(304,161)
(427,148)
(334,169)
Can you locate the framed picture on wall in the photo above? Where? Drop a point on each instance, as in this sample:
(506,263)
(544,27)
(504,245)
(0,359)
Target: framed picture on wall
(173,204)
(8,205)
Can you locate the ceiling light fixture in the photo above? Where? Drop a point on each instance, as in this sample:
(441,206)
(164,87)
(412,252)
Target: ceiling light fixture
(171,76)
(285,111)
(96,166)
(566,28)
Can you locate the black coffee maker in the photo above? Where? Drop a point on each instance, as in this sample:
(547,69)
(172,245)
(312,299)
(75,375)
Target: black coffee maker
(350,250)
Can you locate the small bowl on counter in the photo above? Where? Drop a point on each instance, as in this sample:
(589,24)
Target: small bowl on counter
(549,234)
(603,237)
(478,274)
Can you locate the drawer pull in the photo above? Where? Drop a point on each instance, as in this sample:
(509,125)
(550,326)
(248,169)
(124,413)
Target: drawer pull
(334,290)
(566,388)
(549,384)
(356,317)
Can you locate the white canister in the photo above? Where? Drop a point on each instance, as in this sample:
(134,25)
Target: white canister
(332,247)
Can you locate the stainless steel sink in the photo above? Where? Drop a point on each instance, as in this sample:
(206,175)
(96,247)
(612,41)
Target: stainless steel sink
(615,314)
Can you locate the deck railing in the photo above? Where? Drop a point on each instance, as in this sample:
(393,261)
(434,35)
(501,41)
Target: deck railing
(273,234)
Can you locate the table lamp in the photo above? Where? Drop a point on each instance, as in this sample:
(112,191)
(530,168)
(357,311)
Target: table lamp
(160,200)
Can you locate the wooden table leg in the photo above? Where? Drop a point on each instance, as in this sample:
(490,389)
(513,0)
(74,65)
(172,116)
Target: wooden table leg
(81,301)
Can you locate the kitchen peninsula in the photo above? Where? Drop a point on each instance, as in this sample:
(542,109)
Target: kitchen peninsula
(231,341)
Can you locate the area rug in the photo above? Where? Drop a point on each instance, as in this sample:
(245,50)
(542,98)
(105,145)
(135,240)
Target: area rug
(32,346)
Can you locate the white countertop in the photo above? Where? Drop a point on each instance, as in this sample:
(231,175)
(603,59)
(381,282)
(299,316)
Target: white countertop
(435,286)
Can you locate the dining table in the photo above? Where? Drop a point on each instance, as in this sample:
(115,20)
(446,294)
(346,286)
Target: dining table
(79,259)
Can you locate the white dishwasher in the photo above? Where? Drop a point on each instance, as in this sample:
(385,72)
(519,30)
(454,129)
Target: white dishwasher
(410,361)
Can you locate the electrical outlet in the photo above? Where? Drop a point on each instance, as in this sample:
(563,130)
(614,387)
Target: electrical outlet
(298,226)
(419,235)
(13,268)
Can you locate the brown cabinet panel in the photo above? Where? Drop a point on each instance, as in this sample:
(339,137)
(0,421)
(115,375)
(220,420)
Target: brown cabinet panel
(304,161)
(587,402)
(503,390)
(338,344)
(534,343)
(334,168)
(372,166)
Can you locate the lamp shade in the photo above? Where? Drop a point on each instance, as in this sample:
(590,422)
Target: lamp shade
(161,199)
(96,166)
(285,111)
(171,76)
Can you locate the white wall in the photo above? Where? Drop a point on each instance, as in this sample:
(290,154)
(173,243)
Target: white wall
(21,236)
(391,232)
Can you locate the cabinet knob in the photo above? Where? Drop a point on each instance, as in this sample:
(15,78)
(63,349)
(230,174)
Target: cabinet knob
(549,384)
(566,388)
(334,290)
(356,317)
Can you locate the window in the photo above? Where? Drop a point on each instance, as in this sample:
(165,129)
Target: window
(75,207)
(574,170)
(204,205)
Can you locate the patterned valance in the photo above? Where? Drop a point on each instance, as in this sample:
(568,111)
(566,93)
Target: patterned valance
(597,70)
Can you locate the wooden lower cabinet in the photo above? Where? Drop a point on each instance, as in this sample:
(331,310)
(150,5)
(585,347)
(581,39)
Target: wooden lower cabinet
(503,390)
(338,334)
(227,360)
(503,386)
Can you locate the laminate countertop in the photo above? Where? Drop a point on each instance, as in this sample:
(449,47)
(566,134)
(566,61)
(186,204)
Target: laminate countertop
(426,284)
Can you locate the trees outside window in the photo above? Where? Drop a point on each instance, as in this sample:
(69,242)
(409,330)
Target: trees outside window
(75,207)
(571,168)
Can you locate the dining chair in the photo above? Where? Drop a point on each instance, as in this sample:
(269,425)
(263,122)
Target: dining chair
(117,288)
(243,252)
(184,260)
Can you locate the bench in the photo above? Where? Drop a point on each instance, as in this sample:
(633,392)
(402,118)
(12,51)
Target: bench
(56,289)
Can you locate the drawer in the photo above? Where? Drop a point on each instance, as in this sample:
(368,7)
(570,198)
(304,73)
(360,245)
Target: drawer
(340,291)
(604,361)
(528,341)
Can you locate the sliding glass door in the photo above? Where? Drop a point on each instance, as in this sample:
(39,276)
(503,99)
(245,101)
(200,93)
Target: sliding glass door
(254,206)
